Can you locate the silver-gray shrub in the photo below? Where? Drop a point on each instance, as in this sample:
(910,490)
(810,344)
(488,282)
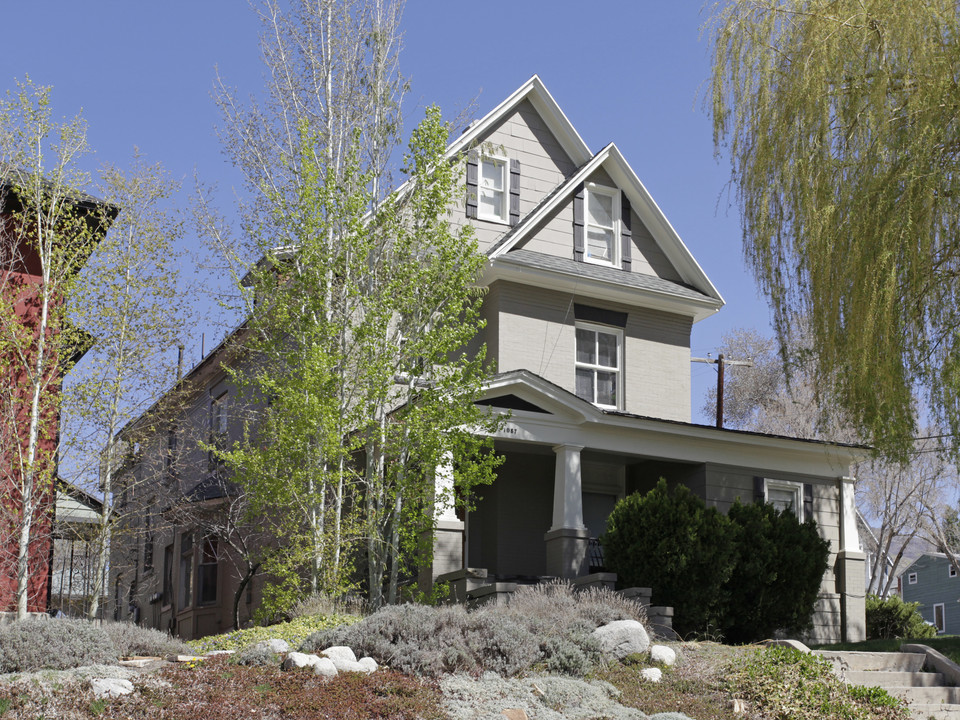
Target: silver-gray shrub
(131,639)
(57,644)
(258,655)
(433,641)
(556,608)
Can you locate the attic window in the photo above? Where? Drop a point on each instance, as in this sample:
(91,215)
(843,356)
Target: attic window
(493,188)
(912,579)
(952,571)
(602,225)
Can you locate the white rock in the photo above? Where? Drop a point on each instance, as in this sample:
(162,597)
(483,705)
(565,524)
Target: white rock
(663,655)
(342,656)
(296,660)
(325,668)
(110,687)
(622,637)
(214,653)
(367,665)
(275,645)
(652,674)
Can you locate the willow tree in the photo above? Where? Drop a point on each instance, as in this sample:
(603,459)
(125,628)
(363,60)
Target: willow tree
(841,122)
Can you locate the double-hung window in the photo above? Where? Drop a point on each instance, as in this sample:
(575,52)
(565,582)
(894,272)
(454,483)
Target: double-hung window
(784,495)
(602,225)
(598,364)
(493,189)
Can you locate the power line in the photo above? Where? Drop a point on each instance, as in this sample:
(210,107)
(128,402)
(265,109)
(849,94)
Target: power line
(721,362)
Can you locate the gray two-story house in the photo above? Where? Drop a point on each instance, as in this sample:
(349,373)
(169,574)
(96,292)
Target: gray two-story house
(591,299)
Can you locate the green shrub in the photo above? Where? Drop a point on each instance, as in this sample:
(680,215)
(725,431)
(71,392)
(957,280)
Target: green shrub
(674,544)
(779,565)
(894,618)
(36,644)
(131,639)
(786,683)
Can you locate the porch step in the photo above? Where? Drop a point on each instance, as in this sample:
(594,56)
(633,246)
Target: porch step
(901,674)
(846,660)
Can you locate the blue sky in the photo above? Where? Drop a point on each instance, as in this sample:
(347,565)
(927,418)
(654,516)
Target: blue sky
(633,73)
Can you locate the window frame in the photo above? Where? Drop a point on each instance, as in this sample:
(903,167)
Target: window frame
(951,571)
(504,163)
(590,188)
(596,367)
(208,572)
(911,578)
(942,625)
(787,485)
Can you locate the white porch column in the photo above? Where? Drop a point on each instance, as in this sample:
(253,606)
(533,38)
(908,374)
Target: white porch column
(567,539)
(446,535)
(850,567)
(567,488)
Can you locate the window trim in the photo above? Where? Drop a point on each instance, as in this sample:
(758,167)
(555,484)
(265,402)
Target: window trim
(618,334)
(614,195)
(504,164)
(787,485)
(951,571)
(942,625)
(911,578)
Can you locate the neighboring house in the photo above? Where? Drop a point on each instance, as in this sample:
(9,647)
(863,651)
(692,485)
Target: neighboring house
(591,300)
(76,525)
(932,581)
(21,275)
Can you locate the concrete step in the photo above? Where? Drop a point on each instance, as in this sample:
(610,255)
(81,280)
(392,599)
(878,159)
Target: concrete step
(926,695)
(885,679)
(847,660)
(932,711)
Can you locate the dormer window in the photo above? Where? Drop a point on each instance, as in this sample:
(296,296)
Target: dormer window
(494,186)
(602,225)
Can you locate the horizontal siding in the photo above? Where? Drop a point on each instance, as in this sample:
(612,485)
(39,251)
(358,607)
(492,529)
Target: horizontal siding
(537,333)
(934,585)
(726,484)
(543,164)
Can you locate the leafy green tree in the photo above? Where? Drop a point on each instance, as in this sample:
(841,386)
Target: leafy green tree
(893,618)
(49,228)
(840,121)
(777,573)
(672,543)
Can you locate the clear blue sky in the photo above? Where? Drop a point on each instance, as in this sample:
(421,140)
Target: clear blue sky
(633,73)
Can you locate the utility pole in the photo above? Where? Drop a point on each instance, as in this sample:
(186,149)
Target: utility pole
(721,362)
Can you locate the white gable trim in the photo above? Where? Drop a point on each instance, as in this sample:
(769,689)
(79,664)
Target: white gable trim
(612,160)
(536,92)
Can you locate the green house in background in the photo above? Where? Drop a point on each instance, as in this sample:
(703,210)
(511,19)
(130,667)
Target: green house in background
(933,582)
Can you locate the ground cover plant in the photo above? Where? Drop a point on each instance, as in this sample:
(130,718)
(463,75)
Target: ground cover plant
(37,643)
(786,684)
(294,631)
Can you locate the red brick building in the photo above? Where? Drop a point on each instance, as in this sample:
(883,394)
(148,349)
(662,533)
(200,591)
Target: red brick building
(21,316)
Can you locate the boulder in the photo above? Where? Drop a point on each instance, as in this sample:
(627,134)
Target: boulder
(341,655)
(325,668)
(275,645)
(367,665)
(621,638)
(297,660)
(663,655)
(110,687)
(652,674)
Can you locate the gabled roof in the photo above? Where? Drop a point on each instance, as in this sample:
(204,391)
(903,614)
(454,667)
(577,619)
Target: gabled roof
(612,160)
(536,92)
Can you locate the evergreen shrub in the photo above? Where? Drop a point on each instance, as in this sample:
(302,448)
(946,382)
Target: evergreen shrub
(894,618)
(779,565)
(671,542)
(130,639)
(743,576)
